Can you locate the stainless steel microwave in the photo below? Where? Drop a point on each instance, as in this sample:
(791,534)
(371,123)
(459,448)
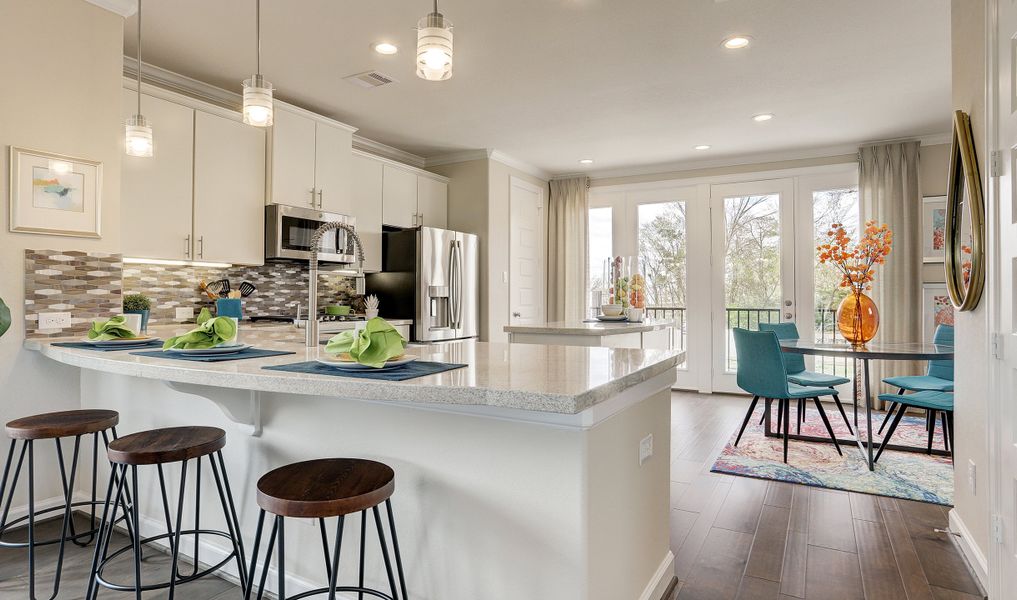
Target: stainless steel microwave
(288,232)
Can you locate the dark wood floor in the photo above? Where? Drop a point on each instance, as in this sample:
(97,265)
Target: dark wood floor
(733,537)
(748,539)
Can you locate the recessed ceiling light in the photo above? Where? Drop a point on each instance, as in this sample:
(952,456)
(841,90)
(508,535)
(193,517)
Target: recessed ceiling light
(586,161)
(385,48)
(737,42)
(762,117)
(702,147)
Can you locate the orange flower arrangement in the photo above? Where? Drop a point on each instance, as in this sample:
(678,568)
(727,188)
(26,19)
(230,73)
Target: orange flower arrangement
(857,264)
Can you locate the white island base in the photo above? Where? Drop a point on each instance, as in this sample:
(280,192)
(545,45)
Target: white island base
(491,502)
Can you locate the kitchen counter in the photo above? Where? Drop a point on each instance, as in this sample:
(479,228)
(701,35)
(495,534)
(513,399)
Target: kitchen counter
(596,329)
(532,459)
(647,335)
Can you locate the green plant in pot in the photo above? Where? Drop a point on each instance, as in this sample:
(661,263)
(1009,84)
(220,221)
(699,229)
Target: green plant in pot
(138,304)
(5,318)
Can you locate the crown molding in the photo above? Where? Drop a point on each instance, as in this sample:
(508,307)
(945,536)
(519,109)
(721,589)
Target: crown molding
(124,8)
(182,84)
(487,153)
(520,165)
(385,151)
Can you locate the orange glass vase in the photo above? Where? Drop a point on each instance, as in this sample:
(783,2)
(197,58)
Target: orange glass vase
(857,319)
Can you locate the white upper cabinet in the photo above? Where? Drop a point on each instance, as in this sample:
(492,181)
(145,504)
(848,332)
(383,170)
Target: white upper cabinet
(400,197)
(309,161)
(156,191)
(432,202)
(229,190)
(367,207)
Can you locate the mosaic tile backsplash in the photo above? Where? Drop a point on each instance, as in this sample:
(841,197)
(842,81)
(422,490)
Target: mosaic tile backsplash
(85,284)
(91,285)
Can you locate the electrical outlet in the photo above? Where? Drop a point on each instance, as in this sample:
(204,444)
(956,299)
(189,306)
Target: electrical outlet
(645,448)
(56,320)
(184,313)
(972,477)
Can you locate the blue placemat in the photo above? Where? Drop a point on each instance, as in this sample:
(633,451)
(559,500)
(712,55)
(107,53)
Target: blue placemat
(417,368)
(84,346)
(243,354)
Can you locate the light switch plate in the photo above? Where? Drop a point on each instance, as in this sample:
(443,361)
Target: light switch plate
(54,320)
(184,313)
(645,448)
(972,477)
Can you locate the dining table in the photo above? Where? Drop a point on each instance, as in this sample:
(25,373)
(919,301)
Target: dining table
(862,391)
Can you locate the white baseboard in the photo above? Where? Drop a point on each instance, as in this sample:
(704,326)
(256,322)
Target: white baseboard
(975,557)
(661,579)
(18,512)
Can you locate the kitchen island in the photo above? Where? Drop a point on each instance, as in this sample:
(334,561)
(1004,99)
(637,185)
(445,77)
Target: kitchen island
(646,334)
(530,473)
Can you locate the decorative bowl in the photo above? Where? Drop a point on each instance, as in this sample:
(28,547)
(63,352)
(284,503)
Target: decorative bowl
(337,309)
(611,310)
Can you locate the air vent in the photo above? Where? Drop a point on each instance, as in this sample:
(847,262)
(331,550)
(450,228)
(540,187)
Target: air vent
(370,79)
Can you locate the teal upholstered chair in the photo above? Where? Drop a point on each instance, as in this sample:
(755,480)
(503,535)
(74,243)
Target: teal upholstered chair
(932,402)
(938,376)
(798,374)
(761,373)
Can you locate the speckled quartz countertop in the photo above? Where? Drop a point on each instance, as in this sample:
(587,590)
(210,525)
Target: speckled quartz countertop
(555,379)
(598,328)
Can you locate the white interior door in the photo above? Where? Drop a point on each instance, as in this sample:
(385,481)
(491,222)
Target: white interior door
(526,253)
(1002,263)
(753,261)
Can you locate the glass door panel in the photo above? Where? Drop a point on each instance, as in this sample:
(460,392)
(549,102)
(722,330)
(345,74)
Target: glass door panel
(600,246)
(830,206)
(663,247)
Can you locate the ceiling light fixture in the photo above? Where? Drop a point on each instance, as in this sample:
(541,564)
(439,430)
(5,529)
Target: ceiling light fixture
(434,47)
(737,42)
(137,131)
(586,161)
(701,147)
(385,48)
(258,91)
(762,117)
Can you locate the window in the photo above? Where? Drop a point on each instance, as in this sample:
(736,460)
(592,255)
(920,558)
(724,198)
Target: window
(663,247)
(599,245)
(829,207)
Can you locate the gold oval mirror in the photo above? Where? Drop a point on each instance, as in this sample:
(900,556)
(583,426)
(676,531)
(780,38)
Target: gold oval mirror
(965,218)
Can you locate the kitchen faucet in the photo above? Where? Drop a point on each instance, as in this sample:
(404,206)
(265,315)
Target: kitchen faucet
(312,299)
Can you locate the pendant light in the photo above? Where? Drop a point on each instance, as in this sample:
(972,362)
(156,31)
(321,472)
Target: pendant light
(137,131)
(257,90)
(434,47)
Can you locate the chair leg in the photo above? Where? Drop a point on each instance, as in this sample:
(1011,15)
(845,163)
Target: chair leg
(801,414)
(748,415)
(946,438)
(843,413)
(886,418)
(780,415)
(948,433)
(826,421)
(930,424)
(786,409)
(889,433)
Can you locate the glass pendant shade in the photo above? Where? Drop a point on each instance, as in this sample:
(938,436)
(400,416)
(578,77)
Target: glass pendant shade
(138,137)
(258,102)
(434,48)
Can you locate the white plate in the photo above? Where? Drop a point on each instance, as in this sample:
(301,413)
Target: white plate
(355,366)
(615,318)
(222,349)
(121,342)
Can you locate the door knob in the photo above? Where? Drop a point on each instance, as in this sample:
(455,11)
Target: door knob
(517,315)
(787,315)
(787,303)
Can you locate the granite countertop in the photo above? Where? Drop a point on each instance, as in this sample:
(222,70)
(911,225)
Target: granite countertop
(554,379)
(598,328)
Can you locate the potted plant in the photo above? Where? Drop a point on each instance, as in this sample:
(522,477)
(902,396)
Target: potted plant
(138,304)
(5,318)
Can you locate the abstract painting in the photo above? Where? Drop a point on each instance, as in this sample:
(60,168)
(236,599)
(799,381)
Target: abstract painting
(933,229)
(58,188)
(937,309)
(54,194)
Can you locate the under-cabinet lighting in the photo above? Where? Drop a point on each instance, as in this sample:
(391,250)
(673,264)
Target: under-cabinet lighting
(176,263)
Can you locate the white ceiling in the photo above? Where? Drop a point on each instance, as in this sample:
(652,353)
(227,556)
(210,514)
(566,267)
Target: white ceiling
(627,83)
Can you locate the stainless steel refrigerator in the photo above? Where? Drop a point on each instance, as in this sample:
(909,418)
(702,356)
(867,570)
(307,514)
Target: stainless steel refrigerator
(431,276)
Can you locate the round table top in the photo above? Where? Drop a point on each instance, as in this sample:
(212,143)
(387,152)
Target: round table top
(872,350)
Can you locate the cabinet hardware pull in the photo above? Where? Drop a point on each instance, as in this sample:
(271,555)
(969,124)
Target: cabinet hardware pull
(187,246)
(201,247)
(314,197)
(321,202)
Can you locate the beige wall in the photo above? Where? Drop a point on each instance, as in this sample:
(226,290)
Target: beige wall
(478,202)
(61,65)
(968,63)
(935,165)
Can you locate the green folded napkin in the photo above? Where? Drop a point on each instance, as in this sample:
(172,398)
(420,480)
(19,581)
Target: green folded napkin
(209,334)
(204,316)
(114,329)
(376,343)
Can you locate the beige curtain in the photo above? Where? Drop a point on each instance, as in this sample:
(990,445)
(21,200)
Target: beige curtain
(889,193)
(567,225)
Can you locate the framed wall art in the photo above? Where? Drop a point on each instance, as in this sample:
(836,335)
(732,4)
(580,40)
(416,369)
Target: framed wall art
(54,194)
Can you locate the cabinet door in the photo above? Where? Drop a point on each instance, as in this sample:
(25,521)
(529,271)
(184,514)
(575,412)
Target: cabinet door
(399,197)
(332,168)
(367,207)
(432,202)
(156,192)
(229,191)
(291,149)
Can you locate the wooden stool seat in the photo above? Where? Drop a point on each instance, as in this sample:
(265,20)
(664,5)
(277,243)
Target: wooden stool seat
(67,423)
(328,487)
(172,444)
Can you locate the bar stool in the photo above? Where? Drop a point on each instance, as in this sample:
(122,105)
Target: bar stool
(324,488)
(54,426)
(159,447)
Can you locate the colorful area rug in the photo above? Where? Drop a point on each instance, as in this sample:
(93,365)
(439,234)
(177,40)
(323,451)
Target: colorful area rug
(905,475)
